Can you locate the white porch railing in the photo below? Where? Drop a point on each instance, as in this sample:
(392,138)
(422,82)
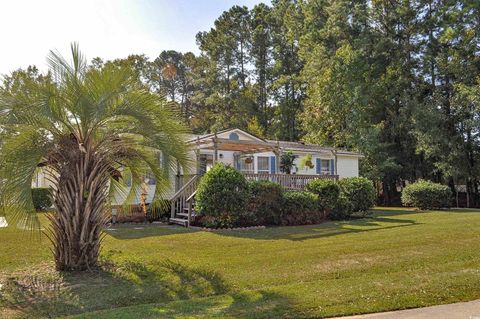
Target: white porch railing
(179,201)
(288,181)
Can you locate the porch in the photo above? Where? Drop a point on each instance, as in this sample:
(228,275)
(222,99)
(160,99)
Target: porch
(295,182)
(255,158)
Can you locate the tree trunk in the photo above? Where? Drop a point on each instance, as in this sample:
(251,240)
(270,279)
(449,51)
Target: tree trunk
(76,226)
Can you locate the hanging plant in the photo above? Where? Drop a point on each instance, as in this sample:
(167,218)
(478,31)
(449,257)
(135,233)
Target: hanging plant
(306,162)
(249,160)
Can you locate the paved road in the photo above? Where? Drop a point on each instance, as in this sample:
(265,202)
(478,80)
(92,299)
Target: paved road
(461,310)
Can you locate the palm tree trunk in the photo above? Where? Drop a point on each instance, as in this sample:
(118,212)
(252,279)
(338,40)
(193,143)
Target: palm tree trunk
(76,226)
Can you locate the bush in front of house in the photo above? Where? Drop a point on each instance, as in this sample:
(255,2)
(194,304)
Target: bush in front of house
(426,195)
(265,203)
(41,198)
(360,192)
(328,192)
(342,210)
(301,208)
(222,197)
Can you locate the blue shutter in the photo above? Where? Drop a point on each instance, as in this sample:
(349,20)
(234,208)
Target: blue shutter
(237,162)
(273,164)
(319,166)
(332,167)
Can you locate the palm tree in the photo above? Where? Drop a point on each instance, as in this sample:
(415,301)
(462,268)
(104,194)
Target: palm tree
(89,130)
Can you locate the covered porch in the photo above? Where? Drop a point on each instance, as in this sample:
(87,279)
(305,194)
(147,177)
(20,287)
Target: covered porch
(256,159)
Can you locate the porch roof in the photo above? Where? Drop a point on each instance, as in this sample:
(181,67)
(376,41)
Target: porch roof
(242,146)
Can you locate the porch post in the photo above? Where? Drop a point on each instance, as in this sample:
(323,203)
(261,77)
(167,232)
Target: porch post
(335,162)
(197,163)
(278,156)
(177,177)
(215,149)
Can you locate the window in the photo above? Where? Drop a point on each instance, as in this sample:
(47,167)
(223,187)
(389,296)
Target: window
(263,164)
(247,164)
(233,136)
(150,179)
(325,166)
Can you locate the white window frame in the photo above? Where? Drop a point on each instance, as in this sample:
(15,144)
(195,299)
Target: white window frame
(323,170)
(243,165)
(263,171)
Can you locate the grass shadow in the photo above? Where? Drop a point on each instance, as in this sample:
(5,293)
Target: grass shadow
(379,220)
(126,283)
(260,304)
(135,231)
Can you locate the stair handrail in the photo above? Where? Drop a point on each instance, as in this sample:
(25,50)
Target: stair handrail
(180,193)
(190,207)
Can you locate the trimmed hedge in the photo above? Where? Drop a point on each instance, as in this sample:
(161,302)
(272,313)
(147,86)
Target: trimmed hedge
(225,199)
(265,203)
(360,192)
(426,195)
(342,210)
(222,197)
(301,208)
(328,192)
(41,198)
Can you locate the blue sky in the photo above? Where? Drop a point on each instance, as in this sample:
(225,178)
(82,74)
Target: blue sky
(105,28)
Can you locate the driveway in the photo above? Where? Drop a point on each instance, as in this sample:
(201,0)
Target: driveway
(461,310)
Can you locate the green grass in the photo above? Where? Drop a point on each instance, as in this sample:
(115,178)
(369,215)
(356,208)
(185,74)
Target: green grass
(396,259)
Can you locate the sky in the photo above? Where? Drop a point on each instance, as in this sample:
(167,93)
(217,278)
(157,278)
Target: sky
(103,28)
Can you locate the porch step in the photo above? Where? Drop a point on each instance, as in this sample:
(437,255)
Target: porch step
(185,214)
(178,221)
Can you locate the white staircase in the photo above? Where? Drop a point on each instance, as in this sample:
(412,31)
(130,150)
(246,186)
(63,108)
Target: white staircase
(183,203)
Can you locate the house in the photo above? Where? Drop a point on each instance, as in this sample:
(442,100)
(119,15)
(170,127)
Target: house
(252,155)
(256,158)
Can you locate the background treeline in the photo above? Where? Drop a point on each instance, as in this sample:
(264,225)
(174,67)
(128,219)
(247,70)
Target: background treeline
(396,80)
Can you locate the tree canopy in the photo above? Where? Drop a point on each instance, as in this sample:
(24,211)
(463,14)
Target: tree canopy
(396,80)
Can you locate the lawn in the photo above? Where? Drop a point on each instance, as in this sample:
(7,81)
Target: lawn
(394,260)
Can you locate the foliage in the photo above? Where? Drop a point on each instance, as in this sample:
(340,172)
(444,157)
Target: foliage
(91,128)
(426,195)
(265,203)
(222,197)
(41,198)
(342,210)
(253,127)
(301,208)
(398,82)
(360,192)
(286,162)
(328,192)
(305,162)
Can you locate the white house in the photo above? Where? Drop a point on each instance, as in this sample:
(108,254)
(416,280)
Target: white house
(256,158)
(253,155)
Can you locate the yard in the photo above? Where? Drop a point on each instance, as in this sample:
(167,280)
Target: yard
(396,259)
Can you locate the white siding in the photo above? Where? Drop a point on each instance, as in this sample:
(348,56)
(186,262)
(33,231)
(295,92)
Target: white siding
(347,166)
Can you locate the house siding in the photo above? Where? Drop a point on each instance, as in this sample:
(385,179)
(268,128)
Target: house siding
(347,166)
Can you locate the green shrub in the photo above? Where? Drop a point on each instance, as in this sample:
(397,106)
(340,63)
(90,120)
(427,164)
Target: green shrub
(343,208)
(360,192)
(301,208)
(426,195)
(222,197)
(265,203)
(41,198)
(328,192)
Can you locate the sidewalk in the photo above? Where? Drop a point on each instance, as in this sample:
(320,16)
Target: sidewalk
(461,310)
